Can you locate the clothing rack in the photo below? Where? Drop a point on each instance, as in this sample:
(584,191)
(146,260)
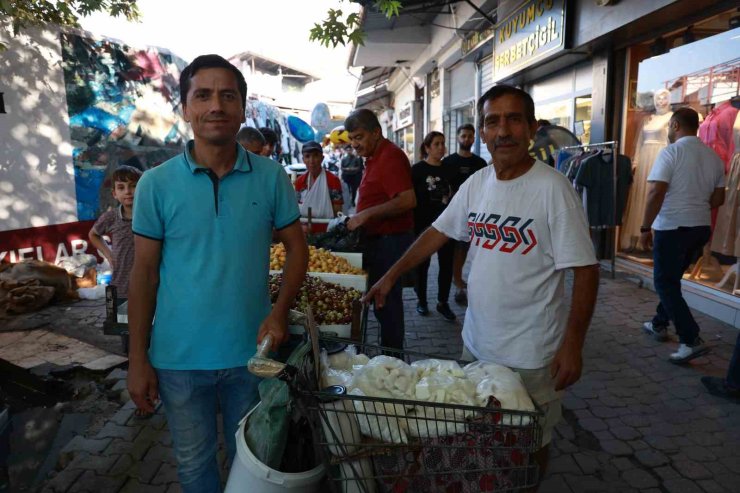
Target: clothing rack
(612,145)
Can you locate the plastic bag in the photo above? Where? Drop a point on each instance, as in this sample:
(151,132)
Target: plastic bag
(380,420)
(505,385)
(78,264)
(340,219)
(438,367)
(332,376)
(385,376)
(94,293)
(343,359)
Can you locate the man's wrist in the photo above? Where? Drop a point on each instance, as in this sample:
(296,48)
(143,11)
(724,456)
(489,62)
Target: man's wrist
(645,229)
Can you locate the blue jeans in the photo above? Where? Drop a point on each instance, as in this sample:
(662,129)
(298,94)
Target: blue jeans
(673,252)
(382,252)
(191,400)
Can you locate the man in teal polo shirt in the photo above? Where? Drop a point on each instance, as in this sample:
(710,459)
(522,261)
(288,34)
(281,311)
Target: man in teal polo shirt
(203,224)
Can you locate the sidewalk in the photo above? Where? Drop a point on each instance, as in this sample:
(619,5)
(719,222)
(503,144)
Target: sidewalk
(634,422)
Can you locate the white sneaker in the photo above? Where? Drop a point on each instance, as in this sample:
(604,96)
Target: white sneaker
(686,353)
(659,333)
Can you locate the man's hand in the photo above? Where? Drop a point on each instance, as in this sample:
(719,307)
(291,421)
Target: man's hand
(275,326)
(567,365)
(142,385)
(357,221)
(379,291)
(646,240)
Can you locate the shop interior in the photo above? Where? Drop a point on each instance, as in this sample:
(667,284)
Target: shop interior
(696,66)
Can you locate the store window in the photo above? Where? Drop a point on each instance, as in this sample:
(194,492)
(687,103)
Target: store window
(582,124)
(564,99)
(452,121)
(404,138)
(698,67)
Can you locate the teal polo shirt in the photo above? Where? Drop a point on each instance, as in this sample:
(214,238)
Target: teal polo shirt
(214,266)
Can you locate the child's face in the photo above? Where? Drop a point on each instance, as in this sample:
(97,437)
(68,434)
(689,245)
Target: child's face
(123,192)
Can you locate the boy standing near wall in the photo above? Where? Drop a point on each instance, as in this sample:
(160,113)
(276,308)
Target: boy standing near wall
(116,223)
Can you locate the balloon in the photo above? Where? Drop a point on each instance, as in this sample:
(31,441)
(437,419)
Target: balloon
(299,129)
(321,118)
(339,136)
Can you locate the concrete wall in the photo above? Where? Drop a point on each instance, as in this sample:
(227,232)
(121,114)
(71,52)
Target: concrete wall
(37,185)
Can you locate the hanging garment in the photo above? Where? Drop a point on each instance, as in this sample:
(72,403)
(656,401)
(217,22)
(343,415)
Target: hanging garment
(716,132)
(317,197)
(596,175)
(727,229)
(725,237)
(653,138)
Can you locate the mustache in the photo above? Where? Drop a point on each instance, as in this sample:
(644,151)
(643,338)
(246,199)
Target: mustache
(504,142)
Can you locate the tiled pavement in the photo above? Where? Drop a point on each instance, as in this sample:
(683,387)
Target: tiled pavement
(634,422)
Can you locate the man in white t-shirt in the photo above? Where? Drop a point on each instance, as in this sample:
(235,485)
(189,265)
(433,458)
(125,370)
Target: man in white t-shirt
(526,226)
(686,182)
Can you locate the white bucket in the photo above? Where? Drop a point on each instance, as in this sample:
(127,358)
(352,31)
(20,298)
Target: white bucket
(249,474)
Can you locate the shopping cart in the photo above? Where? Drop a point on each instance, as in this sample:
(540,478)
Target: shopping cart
(371,444)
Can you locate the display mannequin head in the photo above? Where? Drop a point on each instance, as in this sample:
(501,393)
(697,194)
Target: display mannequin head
(662,101)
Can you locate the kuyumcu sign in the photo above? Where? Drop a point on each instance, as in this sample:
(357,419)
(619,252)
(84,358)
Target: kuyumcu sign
(534,30)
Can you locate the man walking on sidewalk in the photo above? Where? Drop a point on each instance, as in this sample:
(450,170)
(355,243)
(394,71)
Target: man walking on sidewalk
(462,165)
(527,227)
(686,182)
(203,224)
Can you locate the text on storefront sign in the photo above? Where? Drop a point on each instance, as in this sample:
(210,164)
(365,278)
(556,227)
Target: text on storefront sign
(533,30)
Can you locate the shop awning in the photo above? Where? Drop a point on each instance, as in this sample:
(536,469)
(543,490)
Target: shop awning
(373,88)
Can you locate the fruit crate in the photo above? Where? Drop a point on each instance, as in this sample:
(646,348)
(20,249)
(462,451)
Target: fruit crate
(357,281)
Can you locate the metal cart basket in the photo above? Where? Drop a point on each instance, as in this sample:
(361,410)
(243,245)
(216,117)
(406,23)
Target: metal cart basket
(371,444)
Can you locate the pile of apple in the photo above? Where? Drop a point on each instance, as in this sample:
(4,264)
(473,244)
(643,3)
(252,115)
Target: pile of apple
(331,303)
(319,260)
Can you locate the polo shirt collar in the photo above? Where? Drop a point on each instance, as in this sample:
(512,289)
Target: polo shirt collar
(243,160)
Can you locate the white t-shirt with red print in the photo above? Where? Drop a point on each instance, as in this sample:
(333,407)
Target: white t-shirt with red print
(523,233)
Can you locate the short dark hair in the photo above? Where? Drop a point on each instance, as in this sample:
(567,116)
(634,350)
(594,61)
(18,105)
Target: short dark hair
(428,138)
(687,118)
(502,90)
(361,119)
(543,123)
(269,134)
(465,126)
(211,61)
(250,135)
(125,174)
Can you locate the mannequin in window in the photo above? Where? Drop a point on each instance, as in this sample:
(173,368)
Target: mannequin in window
(726,239)
(653,138)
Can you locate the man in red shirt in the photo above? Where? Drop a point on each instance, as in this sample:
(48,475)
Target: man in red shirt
(385,213)
(318,189)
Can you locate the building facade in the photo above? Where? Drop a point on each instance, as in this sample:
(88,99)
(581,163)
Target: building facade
(607,71)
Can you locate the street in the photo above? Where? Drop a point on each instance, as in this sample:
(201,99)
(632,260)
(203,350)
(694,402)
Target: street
(634,422)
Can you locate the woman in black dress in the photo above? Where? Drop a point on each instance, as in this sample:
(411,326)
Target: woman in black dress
(432,185)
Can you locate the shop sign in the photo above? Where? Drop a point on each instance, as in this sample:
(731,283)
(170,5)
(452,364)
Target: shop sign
(48,243)
(405,116)
(534,30)
(475,40)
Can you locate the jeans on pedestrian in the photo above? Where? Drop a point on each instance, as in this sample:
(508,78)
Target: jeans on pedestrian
(673,251)
(191,400)
(733,372)
(382,252)
(444,278)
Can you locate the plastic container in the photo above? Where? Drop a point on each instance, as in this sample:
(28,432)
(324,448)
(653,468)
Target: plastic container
(249,474)
(105,277)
